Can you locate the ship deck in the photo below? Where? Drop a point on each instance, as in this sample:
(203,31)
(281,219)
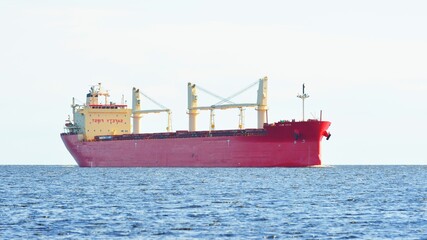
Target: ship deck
(182,134)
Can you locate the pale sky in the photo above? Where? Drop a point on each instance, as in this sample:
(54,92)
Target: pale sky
(364,64)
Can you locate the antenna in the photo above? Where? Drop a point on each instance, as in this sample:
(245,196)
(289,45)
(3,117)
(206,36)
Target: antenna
(303,97)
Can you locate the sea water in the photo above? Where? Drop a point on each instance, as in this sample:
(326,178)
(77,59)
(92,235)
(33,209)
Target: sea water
(334,202)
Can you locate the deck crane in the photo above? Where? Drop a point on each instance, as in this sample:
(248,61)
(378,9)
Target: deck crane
(137,112)
(260,106)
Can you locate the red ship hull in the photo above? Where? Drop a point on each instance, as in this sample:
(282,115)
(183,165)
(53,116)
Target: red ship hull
(283,144)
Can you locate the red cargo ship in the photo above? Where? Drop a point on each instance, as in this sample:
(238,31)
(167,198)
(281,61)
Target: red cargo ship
(100,136)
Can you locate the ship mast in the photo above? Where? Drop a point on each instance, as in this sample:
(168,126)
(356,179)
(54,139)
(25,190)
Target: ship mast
(303,97)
